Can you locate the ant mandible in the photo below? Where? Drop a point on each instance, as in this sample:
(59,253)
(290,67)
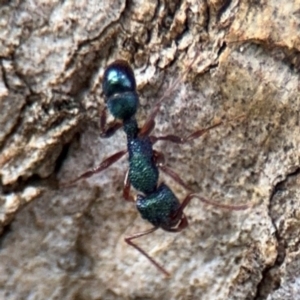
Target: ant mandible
(157,204)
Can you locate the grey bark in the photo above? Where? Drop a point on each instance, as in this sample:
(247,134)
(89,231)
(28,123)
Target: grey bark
(69,243)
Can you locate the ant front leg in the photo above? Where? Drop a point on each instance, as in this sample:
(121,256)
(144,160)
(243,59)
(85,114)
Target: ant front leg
(103,165)
(108,130)
(150,122)
(148,126)
(129,239)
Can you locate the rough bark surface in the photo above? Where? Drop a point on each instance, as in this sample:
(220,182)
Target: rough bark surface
(69,243)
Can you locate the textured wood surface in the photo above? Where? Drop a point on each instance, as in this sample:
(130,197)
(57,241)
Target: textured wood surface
(69,243)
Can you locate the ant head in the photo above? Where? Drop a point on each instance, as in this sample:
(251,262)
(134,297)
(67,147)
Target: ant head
(118,78)
(119,88)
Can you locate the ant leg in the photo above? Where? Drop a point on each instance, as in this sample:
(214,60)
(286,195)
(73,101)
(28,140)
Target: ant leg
(159,160)
(190,196)
(214,203)
(148,126)
(126,190)
(174,176)
(150,123)
(103,165)
(179,140)
(182,224)
(129,239)
(111,129)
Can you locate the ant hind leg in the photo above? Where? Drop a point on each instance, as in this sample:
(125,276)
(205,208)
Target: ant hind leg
(159,159)
(129,239)
(190,196)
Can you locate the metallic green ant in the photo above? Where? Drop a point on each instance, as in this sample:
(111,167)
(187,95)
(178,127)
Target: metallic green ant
(157,204)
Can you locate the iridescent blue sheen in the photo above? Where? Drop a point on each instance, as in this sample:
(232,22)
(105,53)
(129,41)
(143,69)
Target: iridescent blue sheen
(143,172)
(159,207)
(118,78)
(158,204)
(119,88)
(122,101)
(131,128)
(123,106)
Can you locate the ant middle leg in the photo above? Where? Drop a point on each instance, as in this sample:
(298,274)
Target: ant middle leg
(129,239)
(159,159)
(103,165)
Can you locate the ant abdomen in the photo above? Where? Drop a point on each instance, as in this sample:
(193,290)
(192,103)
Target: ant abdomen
(160,207)
(119,88)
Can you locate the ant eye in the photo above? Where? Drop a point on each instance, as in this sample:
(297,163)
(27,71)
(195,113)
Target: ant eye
(118,78)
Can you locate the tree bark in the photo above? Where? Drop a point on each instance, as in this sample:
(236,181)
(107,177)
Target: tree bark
(68,243)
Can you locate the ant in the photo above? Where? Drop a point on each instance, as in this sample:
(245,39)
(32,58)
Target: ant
(157,204)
